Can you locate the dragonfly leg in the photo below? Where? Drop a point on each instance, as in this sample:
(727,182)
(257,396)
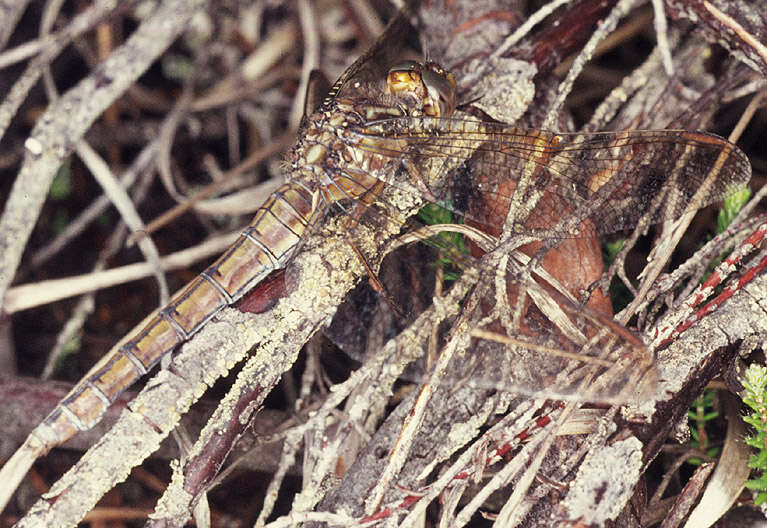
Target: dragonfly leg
(367,199)
(420,181)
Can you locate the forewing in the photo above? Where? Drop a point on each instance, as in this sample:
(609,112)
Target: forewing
(613,179)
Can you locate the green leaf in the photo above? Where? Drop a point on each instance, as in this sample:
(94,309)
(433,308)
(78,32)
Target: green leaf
(756,484)
(694,435)
(59,221)
(612,248)
(731,207)
(61,186)
(451,246)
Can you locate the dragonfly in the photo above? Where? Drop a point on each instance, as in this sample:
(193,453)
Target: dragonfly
(399,128)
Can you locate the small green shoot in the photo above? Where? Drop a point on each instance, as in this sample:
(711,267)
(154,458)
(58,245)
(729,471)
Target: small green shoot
(731,207)
(611,250)
(450,245)
(59,191)
(59,221)
(177,67)
(755,396)
(63,364)
(61,186)
(701,412)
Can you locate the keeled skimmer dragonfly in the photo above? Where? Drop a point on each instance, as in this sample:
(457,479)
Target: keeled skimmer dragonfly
(399,128)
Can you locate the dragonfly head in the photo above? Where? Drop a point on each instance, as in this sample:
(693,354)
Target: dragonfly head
(429,83)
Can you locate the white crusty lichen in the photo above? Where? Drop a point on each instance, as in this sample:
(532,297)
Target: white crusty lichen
(605,482)
(171,505)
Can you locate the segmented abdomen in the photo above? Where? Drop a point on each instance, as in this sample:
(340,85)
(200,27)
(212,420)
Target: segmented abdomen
(267,243)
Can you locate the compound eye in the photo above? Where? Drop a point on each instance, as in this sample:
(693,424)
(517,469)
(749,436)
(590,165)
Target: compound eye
(404,76)
(440,87)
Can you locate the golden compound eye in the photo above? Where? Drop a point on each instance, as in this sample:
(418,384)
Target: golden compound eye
(440,88)
(429,83)
(404,76)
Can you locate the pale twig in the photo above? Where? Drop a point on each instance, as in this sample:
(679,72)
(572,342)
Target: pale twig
(367,16)
(290,449)
(516,421)
(119,198)
(30,295)
(518,34)
(539,444)
(71,329)
(241,202)
(83,22)
(527,26)
(622,35)
(751,87)
(661,35)
(165,143)
(745,118)
(21,52)
(227,182)
(48,18)
(732,24)
(607,25)
(310,31)
(12,12)
(630,85)
(401,449)
(56,133)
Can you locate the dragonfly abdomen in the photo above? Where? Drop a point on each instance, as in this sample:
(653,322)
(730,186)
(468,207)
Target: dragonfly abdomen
(265,245)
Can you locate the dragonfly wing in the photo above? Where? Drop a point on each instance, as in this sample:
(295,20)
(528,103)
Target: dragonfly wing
(610,178)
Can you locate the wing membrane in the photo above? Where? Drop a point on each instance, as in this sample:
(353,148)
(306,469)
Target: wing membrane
(611,178)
